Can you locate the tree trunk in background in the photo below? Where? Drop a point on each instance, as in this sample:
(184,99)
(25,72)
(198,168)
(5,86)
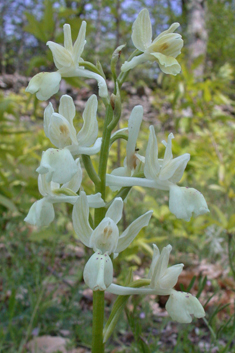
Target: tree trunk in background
(98,29)
(195,11)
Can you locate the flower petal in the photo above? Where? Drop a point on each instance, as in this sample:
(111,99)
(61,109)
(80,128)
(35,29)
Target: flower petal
(80,217)
(115,210)
(58,165)
(168,151)
(45,188)
(156,256)
(89,131)
(62,57)
(105,236)
(167,64)
(152,166)
(174,170)
(98,272)
(184,202)
(75,183)
(181,306)
(170,277)
(61,133)
(132,231)
(41,213)
(160,266)
(79,43)
(134,123)
(171,29)
(169,45)
(47,118)
(67,108)
(68,44)
(142,31)
(44,84)
(95,200)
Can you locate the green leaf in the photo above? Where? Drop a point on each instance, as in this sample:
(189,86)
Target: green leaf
(48,19)
(36,61)
(35,27)
(8,203)
(117,309)
(221,216)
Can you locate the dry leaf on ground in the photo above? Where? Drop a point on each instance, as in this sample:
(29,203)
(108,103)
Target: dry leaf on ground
(47,344)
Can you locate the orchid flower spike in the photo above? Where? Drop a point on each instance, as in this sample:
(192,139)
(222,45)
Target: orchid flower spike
(60,130)
(66,59)
(42,211)
(133,160)
(180,305)
(163,49)
(104,239)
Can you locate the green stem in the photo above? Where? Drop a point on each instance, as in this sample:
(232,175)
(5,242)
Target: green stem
(98,296)
(117,137)
(104,152)
(90,169)
(98,321)
(91,67)
(122,193)
(123,75)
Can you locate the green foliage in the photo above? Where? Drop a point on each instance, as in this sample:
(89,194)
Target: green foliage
(220,22)
(44,29)
(18,157)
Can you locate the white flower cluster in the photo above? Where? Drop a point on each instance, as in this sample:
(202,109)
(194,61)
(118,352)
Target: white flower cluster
(60,176)
(60,172)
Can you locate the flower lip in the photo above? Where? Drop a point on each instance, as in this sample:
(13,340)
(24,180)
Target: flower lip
(181,306)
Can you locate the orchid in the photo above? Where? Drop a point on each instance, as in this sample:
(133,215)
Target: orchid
(180,305)
(67,59)
(60,130)
(163,49)
(104,239)
(60,173)
(162,278)
(42,211)
(163,174)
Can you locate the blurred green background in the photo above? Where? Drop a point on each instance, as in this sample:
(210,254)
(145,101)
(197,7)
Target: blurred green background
(42,290)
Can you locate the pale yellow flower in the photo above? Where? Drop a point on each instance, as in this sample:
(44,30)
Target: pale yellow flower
(163,49)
